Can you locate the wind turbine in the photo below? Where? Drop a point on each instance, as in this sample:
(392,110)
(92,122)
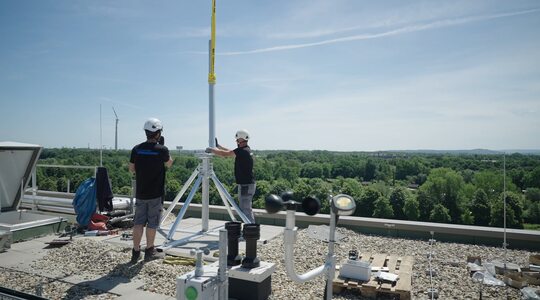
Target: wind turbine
(115,131)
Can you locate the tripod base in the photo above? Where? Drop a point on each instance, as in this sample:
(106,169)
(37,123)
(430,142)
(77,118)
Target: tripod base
(202,175)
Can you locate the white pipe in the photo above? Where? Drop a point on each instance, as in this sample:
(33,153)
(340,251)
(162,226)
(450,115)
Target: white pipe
(205,213)
(222,271)
(118,203)
(100,140)
(331,257)
(289,238)
(211,110)
(504,200)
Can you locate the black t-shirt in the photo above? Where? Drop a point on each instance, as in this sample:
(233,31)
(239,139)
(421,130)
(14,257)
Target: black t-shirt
(149,159)
(243,165)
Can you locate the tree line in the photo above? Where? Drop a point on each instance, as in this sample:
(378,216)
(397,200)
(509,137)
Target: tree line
(446,188)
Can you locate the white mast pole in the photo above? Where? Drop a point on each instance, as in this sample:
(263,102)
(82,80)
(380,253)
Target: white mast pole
(206,160)
(212,80)
(115,130)
(100,140)
(504,201)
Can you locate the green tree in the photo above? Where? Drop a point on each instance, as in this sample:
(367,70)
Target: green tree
(383,209)
(172,187)
(397,200)
(532,213)
(279,186)
(47,184)
(533,194)
(492,183)
(409,167)
(425,204)
(444,186)
(125,191)
(531,206)
(440,214)
(532,178)
(61,184)
(351,187)
(288,170)
(385,172)
(411,209)
(312,170)
(367,202)
(480,208)
(263,169)
(514,212)
(467,217)
(369,170)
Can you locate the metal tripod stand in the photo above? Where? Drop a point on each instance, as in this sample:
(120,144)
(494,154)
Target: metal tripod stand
(203,173)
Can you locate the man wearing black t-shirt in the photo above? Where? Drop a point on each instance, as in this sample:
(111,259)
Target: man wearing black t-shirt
(148,161)
(243,170)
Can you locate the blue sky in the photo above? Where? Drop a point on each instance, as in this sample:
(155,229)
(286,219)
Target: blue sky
(318,74)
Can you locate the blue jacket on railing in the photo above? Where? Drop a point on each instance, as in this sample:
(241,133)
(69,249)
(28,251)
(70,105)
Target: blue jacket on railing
(84,202)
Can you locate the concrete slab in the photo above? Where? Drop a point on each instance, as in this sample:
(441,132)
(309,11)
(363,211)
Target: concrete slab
(112,284)
(31,246)
(22,254)
(138,294)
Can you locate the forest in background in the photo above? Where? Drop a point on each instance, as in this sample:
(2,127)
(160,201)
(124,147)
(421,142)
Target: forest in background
(434,187)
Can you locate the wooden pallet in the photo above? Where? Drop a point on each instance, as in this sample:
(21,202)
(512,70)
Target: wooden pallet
(401,265)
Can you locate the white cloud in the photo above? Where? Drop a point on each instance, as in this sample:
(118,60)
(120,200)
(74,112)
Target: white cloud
(398,31)
(463,108)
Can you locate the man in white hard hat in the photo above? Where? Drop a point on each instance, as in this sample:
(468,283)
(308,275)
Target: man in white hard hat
(148,161)
(243,170)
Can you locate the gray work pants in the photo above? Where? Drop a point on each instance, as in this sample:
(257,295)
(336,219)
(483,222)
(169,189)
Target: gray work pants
(245,197)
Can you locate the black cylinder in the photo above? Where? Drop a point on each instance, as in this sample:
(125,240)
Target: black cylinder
(251,233)
(233,233)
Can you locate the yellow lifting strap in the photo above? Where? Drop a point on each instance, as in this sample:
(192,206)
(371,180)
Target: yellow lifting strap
(212,74)
(179,260)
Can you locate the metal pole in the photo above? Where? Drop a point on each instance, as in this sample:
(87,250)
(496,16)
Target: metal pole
(211,110)
(133,195)
(180,194)
(205,193)
(212,78)
(504,201)
(222,271)
(184,208)
(207,167)
(34,187)
(115,130)
(100,140)
(116,136)
(331,258)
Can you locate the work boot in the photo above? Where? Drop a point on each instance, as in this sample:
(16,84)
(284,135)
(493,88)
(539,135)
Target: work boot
(150,254)
(135,255)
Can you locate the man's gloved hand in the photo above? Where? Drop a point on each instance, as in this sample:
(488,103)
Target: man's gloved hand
(217,144)
(161,140)
(208,150)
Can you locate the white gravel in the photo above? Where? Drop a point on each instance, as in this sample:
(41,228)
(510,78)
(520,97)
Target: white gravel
(452,282)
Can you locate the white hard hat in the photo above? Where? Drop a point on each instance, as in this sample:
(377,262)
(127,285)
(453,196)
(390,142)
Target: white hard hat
(153,125)
(242,134)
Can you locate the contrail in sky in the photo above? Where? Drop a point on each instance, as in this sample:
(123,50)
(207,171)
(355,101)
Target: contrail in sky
(406,29)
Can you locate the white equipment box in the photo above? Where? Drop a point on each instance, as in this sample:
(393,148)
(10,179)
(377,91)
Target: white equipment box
(205,287)
(356,269)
